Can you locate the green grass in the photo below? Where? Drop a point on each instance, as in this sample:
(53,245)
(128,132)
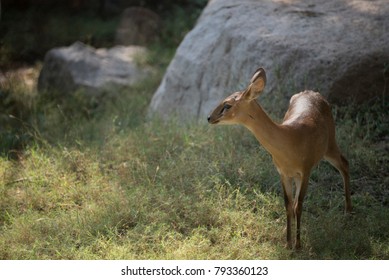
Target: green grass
(107,183)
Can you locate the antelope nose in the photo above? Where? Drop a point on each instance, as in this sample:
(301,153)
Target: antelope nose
(209,118)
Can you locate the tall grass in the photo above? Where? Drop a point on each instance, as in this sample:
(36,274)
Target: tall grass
(110,184)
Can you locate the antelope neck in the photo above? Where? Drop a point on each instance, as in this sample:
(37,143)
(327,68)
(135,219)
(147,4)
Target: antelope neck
(267,132)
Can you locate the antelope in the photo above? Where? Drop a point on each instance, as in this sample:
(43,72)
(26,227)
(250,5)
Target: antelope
(305,136)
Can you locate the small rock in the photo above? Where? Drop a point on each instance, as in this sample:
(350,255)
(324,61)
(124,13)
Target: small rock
(96,71)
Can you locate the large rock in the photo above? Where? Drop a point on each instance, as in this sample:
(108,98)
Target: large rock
(95,71)
(340,48)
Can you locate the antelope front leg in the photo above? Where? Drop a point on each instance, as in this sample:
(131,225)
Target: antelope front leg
(301,190)
(288,198)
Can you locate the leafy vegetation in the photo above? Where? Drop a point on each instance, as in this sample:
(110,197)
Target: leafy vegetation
(29,29)
(106,182)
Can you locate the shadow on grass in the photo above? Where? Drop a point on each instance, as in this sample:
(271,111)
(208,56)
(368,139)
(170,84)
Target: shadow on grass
(334,235)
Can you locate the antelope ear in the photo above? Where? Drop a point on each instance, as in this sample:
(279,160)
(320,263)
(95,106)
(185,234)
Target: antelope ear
(257,84)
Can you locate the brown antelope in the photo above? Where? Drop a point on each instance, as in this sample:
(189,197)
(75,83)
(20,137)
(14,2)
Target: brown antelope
(306,135)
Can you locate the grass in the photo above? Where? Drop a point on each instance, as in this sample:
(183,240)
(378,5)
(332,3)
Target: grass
(110,184)
(102,181)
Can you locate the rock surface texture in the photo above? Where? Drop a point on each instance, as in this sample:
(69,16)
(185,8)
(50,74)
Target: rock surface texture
(337,47)
(96,71)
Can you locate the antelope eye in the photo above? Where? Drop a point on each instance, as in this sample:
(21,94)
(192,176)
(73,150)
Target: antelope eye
(227,106)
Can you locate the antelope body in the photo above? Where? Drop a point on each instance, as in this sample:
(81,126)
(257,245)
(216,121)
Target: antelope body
(306,135)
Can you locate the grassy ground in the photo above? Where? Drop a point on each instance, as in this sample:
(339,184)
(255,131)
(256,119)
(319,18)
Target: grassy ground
(110,184)
(80,182)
